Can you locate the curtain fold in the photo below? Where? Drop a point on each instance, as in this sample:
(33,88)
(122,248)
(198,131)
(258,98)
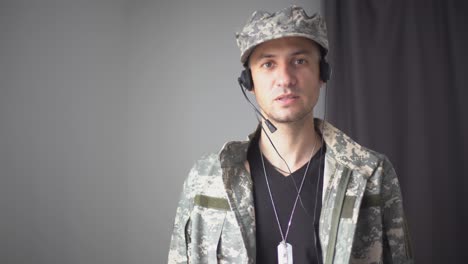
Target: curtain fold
(399,86)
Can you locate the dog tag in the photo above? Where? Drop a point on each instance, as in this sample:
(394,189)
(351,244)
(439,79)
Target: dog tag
(285,255)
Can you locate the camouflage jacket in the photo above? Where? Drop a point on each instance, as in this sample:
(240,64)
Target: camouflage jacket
(362,218)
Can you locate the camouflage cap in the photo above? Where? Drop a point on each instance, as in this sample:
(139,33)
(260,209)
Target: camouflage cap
(289,22)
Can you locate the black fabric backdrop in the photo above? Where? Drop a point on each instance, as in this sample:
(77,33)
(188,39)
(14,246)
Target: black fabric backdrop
(399,86)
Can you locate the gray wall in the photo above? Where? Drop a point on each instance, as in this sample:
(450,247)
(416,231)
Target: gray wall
(104,107)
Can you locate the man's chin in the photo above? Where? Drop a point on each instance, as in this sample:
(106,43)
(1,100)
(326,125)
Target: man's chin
(289,119)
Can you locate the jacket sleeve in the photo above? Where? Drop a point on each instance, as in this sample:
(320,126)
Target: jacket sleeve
(397,244)
(179,240)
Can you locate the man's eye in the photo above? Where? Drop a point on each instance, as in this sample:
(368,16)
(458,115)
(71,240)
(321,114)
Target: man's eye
(300,61)
(267,65)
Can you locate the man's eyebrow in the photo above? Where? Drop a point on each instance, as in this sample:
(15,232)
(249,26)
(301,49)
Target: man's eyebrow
(295,53)
(301,52)
(265,55)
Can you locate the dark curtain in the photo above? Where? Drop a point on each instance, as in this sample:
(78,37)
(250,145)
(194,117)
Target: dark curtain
(399,86)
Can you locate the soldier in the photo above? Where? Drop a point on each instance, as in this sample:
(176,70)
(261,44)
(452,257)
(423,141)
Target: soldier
(298,189)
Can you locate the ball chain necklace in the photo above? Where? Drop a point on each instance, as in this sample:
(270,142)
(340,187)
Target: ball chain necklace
(285,255)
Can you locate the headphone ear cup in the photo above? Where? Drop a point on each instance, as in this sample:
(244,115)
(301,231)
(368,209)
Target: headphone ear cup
(325,70)
(245,79)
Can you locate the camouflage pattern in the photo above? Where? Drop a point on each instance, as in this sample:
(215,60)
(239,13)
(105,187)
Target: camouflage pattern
(289,22)
(362,218)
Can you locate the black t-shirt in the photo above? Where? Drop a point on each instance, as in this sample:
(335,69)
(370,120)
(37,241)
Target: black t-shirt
(301,233)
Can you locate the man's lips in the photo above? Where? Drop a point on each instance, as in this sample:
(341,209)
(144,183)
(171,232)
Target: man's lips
(285,97)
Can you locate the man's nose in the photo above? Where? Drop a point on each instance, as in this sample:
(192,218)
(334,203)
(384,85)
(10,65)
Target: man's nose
(285,76)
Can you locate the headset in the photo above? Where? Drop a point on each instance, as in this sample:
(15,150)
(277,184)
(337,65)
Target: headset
(246,82)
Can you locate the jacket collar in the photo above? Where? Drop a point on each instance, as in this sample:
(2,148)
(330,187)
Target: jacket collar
(346,151)
(340,147)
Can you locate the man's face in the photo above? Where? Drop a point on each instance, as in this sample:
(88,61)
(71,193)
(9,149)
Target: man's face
(285,74)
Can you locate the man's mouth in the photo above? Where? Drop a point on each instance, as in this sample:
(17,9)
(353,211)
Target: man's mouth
(285,97)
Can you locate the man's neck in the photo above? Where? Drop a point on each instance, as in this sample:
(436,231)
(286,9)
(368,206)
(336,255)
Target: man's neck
(296,142)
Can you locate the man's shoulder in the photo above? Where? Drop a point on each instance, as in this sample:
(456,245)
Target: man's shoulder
(205,167)
(208,166)
(231,153)
(206,163)
(350,153)
(205,175)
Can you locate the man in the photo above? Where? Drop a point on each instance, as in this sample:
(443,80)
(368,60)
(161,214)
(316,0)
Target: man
(299,189)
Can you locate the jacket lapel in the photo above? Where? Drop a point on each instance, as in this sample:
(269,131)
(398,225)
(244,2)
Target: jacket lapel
(239,188)
(334,204)
(347,169)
